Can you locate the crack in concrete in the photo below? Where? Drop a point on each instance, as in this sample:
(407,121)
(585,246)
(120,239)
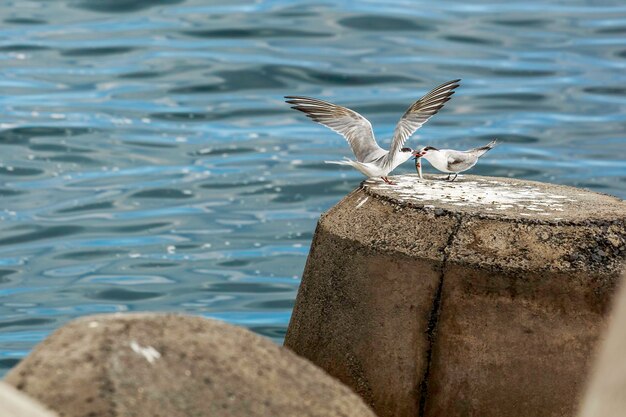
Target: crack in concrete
(433,319)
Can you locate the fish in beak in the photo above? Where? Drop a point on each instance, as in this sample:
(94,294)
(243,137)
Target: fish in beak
(418,163)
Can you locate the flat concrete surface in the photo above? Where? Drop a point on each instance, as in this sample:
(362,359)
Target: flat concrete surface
(14,403)
(499,197)
(480,297)
(173,365)
(606,393)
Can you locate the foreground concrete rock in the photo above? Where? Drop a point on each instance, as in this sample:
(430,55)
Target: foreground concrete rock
(482,297)
(170,365)
(606,395)
(14,403)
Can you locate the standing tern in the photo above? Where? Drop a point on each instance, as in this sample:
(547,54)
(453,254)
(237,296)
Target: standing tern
(371,159)
(450,160)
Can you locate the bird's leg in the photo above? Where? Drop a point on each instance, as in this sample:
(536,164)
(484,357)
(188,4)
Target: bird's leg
(455,175)
(448,179)
(387,181)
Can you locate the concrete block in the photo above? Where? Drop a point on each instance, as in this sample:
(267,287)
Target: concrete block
(172,365)
(481,297)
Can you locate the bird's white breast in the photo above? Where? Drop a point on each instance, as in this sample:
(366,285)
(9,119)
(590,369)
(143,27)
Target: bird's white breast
(438,159)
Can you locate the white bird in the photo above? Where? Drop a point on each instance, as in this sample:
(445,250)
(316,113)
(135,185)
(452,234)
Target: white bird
(450,160)
(371,159)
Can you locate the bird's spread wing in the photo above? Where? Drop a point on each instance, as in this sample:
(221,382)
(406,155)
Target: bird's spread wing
(459,160)
(351,125)
(419,113)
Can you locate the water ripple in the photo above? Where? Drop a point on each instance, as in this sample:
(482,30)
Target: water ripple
(150,163)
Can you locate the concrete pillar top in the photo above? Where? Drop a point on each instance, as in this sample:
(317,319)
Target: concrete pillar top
(499,197)
(469,298)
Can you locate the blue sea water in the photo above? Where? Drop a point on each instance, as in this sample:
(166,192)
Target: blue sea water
(149,163)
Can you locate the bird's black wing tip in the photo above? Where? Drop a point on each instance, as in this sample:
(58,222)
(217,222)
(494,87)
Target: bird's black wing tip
(297,98)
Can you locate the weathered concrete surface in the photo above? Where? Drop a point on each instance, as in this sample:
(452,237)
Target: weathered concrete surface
(606,393)
(482,297)
(14,403)
(171,365)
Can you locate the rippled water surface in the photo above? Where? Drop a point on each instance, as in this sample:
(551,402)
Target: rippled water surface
(148,161)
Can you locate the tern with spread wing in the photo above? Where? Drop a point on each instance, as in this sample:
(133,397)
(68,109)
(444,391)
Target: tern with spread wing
(451,161)
(371,159)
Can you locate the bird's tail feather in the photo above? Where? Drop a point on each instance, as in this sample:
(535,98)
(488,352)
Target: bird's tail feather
(346,161)
(484,149)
